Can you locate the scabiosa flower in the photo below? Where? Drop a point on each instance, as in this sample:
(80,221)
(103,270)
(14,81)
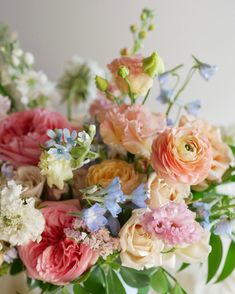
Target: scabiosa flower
(113,197)
(94,217)
(193,107)
(165,95)
(17,216)
(55,137)
(174,224)
(139,196)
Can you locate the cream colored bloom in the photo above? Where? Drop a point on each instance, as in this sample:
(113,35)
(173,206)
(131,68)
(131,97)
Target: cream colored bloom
(56,170)
(222,156)
(162,193)
(196,252)
(31,179)
(138,248)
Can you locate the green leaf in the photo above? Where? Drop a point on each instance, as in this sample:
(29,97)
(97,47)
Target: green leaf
(4,268)
(183,266)
(82,278)
(177,289)
(229,264)
(64,290)
(215,256)
(16,267)
(159,282)
(113,284)
(95,282)
(143,290)
(232,148)
(134,278)
(78,289)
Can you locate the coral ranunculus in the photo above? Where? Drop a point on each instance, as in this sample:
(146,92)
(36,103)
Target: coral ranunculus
(181,155)
(131,128)
(21,134)
(57,259)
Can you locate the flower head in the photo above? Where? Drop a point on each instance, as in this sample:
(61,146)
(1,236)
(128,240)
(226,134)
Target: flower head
(206,71)
(174,224)
(69,138)
(60,151)
(193,107)
(223,227)
(5,105)
(165,95)
(55,137)
(139,196)
(94,217)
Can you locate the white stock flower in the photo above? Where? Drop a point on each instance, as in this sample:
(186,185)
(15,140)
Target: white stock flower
(20,221)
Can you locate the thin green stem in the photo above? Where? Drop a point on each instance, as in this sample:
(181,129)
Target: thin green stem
(187,80)
(226,207)
(69,106)
(115,99)
(146,97)
(170,275)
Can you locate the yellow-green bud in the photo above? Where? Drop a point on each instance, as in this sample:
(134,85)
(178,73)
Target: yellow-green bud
(133,28)
(142,34)
(101,84)
(151,27)
(123,72)
(153,65)
(143,15)
(124,52)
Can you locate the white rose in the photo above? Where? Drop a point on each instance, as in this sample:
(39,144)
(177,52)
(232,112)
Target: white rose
(162,193)
(139,249)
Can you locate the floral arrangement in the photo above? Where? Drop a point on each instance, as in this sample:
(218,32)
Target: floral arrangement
(127,194)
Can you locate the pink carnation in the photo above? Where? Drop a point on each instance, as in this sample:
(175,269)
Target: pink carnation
(21,134)
(131,128)
(57,259)
(174,224)
(181,155)
(139,81)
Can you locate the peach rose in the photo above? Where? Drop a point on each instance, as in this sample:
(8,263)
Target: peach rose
(221,153)
(57,259)
(139,249)
(181,155)
(107,170)
(162,192)
(31,179)
(131,128)
(139,81)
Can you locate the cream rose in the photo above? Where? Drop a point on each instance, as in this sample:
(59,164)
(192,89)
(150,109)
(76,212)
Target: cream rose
(139,249)
(161,192)
(31,179)
(107,170)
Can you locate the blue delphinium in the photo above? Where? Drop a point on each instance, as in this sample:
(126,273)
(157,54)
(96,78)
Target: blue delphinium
(203,212)
(139,196)
(193,107)
(114,195)
(60,152)
(165,95)
(55,137)
(94,217)
(163,78)
(206,71)
(223,227)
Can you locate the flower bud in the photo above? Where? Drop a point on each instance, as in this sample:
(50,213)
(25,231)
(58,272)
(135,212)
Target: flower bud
(123,72)
(151,27)
(124,52)
(133,28)
(142,34)
(153,65)
(101,84)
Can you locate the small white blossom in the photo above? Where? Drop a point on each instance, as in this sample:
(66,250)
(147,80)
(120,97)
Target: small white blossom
(5,105)
(29,58)
(20,221)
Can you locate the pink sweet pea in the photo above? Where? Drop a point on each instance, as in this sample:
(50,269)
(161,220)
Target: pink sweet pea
(57,259)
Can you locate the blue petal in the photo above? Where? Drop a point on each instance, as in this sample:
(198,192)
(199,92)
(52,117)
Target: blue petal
(113,207)
(139,196)
(51,134)
(193,107)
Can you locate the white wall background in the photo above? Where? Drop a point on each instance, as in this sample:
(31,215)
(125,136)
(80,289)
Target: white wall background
(54,30)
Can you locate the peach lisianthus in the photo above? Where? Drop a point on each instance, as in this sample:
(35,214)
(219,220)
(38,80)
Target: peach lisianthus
(140,82)
(131,128)
(221,153)
(181,155)
(106,171)
(162,192)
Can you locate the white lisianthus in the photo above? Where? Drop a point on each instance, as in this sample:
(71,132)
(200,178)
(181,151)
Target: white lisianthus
(57,171)
(17,217)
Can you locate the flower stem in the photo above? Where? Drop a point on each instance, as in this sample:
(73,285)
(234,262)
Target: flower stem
(146,96)
(69,107)
(187,80)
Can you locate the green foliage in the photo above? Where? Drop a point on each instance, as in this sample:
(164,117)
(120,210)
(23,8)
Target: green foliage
(159,282)
(134,278)
(215,256)
(183,266)
(16,267)
(4,269)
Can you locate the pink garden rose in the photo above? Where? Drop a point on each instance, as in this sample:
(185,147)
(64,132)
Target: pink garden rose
(57,259)
(181,155)
(131,128)
(21,134)
(139,81)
